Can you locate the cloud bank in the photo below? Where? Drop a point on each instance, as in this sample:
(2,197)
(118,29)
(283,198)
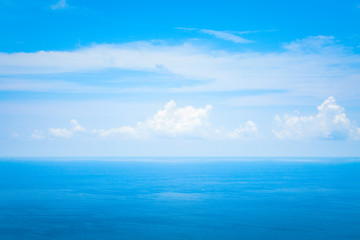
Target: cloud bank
(315,66)
(169,122)
(329,123)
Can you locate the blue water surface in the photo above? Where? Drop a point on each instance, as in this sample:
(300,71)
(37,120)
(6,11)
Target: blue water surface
(188,199)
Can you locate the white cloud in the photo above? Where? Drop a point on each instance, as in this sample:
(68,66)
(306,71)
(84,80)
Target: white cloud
(246,131)
(76,127)
(226,36)
(315,66)
(62,4)
(126,130)
(67,133)
(314,44)
(330,122)
(171,121)
(61,132)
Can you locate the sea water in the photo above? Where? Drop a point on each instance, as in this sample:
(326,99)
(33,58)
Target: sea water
(179,199)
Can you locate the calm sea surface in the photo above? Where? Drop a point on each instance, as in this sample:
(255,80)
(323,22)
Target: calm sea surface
(188,199)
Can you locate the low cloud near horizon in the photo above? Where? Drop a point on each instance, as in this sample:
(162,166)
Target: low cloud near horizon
(170,122)
(330,123)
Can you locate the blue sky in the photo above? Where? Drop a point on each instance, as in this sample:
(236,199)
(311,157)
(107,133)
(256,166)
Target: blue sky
(141,78)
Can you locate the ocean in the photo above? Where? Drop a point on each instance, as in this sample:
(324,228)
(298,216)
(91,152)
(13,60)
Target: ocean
(179,198)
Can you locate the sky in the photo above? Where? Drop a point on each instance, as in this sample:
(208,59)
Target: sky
(179,78)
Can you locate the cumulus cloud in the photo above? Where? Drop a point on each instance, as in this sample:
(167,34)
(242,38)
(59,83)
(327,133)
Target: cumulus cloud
(246,131)
(62,4)
(67,133)
(330,122)
(171,121)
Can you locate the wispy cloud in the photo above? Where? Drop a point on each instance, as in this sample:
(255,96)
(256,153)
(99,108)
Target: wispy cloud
(315,66)
(48,85)
(314,44)
(62,4)
(225,35)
